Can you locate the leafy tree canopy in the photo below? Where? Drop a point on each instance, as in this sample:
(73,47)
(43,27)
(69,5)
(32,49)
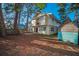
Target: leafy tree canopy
(41,5)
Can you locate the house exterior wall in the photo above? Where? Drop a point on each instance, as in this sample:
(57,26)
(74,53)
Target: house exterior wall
(44,30)
(53,26)
(33,29)
(68,33)
(53,29)
(29,27)
(70,36)
(52,22)
(48,30)
(70,27)
(42,20)
(41,30)
(33,22)
(60,36)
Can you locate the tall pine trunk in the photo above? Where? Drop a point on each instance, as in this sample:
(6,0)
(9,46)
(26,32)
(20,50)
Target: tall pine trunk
(2,22)
(27,21)
(77,22)
(27,18)
(16,30)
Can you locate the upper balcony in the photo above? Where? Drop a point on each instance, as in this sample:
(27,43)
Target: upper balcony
(33,22)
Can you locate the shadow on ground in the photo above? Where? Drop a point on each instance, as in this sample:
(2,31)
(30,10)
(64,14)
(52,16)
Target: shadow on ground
(34,45)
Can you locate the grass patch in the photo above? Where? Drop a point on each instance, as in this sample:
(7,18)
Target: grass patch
(51,35)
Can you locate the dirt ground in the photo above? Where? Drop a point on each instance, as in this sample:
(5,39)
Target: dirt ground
(30,44)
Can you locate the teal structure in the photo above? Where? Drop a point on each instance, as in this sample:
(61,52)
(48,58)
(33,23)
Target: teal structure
(68,37)
(69,32)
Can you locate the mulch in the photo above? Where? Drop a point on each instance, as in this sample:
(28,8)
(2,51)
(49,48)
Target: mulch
(34,45)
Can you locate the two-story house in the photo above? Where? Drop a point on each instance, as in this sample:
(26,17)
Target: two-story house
(45,24)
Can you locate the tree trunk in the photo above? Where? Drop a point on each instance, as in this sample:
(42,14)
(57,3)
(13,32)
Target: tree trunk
(76,15)
(2,22)
(16,30)
(28,15)
(77,22)
(27,18)
(27,21)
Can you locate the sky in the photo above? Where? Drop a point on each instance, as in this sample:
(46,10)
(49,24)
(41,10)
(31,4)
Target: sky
(52,8)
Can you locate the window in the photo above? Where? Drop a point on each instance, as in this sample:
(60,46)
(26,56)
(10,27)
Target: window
(44,28)
(52,28)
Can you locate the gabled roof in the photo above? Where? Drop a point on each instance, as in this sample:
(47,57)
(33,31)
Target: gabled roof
(54,18)
(66,22)
(76,22)
(36,15)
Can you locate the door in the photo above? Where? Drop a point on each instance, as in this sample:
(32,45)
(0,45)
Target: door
(36,29)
